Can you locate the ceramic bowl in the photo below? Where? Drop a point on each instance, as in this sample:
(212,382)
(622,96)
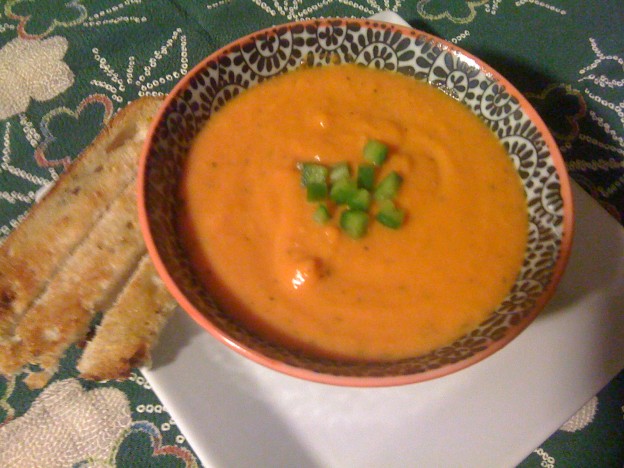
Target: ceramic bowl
(264,54)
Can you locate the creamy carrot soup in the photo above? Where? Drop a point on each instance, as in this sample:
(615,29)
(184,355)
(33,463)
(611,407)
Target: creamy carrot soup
(393,293)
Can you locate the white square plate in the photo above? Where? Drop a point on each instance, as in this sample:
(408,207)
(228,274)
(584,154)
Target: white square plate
(237,413)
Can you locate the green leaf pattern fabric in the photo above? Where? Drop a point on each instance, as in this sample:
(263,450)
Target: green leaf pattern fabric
(66,67)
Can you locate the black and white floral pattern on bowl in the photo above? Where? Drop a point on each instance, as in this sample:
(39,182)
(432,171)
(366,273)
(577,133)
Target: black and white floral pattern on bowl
(262,55)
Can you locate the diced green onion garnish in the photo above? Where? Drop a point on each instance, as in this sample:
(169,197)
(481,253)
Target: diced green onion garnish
(356,192)
(312,173)
(375,152)
(360,200)
(343,190)
(388,187)
(389,215)
(366,176)
(321,214)
(339,171)
(354,223)
(316,191)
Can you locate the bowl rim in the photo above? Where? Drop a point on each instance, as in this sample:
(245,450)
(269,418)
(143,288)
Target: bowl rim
(346,380)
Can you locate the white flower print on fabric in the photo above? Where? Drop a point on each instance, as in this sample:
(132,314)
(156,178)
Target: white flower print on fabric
(32,69)
(42,436)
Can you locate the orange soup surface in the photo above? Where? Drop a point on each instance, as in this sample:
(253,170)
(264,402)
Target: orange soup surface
(250,233)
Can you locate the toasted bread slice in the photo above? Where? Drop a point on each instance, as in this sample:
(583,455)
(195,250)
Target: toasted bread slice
(88,283)
(54,227)
(130,328)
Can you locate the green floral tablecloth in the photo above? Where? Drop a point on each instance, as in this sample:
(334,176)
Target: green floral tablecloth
(67,66)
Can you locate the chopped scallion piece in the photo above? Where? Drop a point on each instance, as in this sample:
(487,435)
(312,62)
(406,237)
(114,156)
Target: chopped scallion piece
(375,152)
(389,215)
(360,200)
(321,214)
(343,190)
(316,191)
(366,176)
(354,223)
(339,171)
(388,187)
(312,173)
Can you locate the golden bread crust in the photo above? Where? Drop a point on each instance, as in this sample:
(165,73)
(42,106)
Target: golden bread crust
(130,327)
(55,226)
(80,252)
